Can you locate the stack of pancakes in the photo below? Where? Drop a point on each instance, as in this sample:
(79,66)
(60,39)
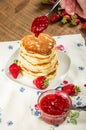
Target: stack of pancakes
(38,56)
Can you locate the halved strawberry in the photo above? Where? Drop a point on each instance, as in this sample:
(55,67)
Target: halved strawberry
(41,82)
(14,70)
(71,89)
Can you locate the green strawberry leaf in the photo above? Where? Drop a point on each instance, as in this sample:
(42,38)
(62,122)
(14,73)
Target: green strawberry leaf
(64,20)
(46,83)
(77,89)
(72,22)
(16,61)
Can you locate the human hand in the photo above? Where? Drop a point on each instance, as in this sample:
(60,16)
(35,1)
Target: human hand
(75,6)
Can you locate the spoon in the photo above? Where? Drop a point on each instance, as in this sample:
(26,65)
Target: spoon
(39,24)
(77,108)
(54,6)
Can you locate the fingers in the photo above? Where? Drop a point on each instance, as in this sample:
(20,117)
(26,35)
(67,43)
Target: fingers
(80,12)
(81,8)
(74,6)
(69,5)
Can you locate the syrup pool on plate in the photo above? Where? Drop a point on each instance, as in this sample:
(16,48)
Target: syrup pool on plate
(53,106)
(39,24)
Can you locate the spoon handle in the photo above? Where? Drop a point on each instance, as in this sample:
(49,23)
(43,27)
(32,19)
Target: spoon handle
(78,108)
(56,3)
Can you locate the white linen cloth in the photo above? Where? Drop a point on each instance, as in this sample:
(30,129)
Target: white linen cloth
(18,110)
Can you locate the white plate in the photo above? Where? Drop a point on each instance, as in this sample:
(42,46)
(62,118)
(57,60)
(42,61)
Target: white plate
(64,65)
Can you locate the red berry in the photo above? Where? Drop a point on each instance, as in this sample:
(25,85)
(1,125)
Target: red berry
(14,70)
(41,82)
(71,89)
(84,26)
(67,17)
(63,13)
(55,17)
(75,21)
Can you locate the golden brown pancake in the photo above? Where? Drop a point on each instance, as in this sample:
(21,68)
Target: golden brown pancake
(38,56)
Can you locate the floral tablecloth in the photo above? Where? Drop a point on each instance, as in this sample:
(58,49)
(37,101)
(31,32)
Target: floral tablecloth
(18,103)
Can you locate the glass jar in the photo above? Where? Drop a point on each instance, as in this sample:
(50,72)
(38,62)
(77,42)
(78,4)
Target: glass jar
(53,105)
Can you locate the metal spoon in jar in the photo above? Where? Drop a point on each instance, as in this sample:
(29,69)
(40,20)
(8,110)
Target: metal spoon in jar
(83,108)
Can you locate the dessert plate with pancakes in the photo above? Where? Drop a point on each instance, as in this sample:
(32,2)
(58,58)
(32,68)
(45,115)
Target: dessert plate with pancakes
(38,56)
(63,68)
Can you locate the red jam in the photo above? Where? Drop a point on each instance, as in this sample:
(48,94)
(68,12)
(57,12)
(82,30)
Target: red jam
(53,105)
(39,25)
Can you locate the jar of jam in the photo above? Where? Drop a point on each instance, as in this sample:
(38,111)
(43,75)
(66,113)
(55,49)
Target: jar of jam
(53,105)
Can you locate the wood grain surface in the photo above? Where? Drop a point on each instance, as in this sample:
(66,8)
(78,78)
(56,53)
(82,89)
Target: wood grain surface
(16,17)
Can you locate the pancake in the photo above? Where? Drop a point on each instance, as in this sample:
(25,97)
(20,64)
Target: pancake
(38,56)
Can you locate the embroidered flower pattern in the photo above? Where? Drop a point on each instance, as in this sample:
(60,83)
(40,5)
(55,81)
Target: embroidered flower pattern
(81,68)
(60,47)
(79,44)
(9,123)
(84,85)
(22,89)
(10,47)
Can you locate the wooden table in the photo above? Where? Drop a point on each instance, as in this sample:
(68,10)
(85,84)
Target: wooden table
(16,17)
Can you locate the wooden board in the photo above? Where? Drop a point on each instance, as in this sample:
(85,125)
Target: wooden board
(16,17)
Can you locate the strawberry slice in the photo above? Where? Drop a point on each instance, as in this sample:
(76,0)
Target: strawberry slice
(14,70)
(71,89)
(41,82)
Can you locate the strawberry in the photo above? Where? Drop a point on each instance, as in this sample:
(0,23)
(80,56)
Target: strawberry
(54,17)
(75,21)
(14,70)
(63,13)
(66,18)
(83,26)
(71,89)
(41,82)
